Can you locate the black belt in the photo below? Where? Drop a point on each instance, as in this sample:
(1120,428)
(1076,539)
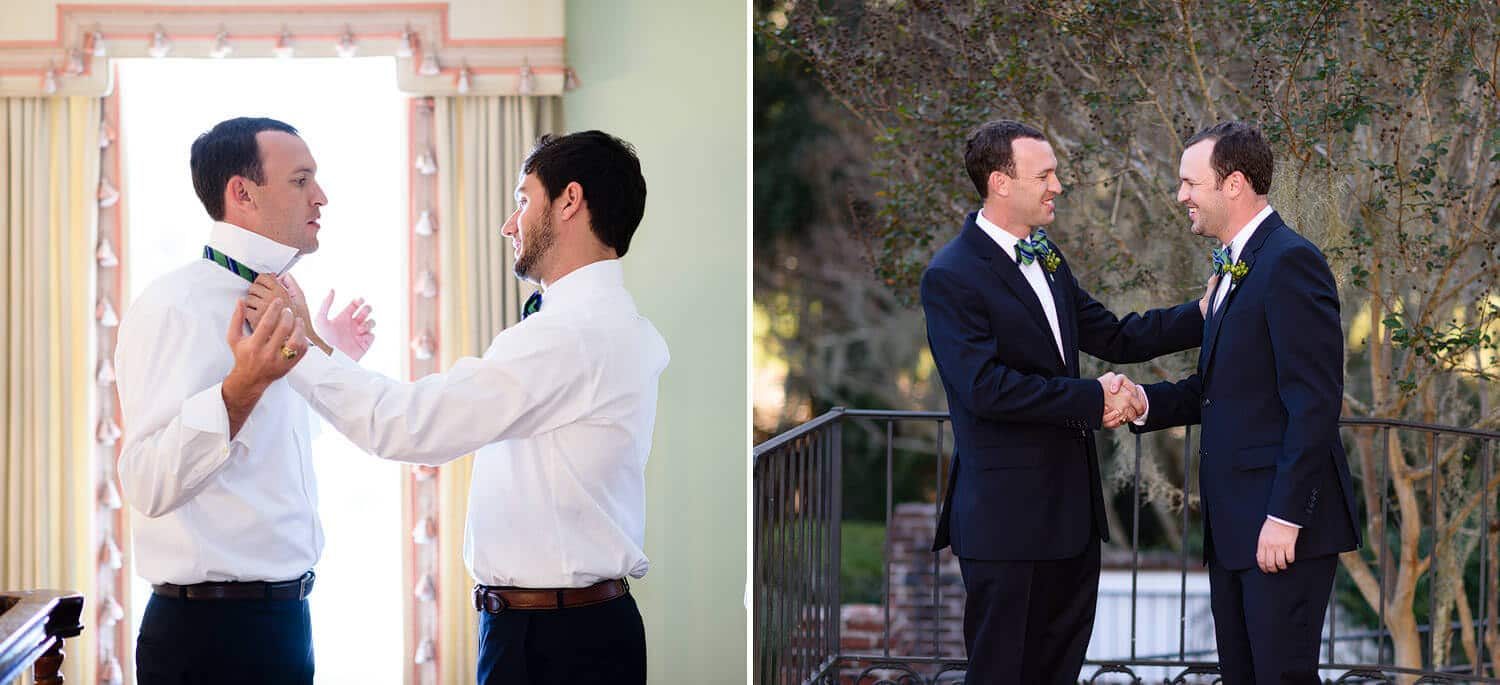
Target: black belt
(289,589)
(494,600)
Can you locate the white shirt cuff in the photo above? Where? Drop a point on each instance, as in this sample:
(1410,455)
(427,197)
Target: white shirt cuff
(1283,522)
(205,413)
(1141,420)
(313,367)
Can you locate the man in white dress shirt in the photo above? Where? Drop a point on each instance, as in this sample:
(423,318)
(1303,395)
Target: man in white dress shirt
(560,409)
(216,462)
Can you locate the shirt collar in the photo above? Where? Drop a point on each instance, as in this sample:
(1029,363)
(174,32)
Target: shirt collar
(1249,229)
(252,249)
(583,283)
(1002,237)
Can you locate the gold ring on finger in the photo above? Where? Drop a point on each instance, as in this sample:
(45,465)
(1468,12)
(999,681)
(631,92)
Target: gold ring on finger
(288,353)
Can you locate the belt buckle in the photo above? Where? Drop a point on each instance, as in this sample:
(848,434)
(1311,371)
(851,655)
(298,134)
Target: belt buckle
(489,602)
(304,588)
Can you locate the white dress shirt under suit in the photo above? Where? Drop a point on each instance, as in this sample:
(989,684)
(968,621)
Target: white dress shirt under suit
(206,507)
(1033,272)
(560,410)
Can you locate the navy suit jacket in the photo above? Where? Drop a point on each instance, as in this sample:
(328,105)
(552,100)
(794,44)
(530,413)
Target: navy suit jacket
(1025,480)
(1268,391)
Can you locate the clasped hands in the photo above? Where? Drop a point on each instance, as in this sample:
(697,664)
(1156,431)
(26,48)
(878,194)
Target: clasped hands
(1124,401)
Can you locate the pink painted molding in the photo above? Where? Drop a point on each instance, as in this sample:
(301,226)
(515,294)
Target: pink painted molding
(416,33)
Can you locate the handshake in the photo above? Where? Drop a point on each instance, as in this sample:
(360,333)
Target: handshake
(1124,401)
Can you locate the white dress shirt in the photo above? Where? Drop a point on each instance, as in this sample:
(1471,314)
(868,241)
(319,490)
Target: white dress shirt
(205,507)
(1237,245)
(1034,273)
(560,410)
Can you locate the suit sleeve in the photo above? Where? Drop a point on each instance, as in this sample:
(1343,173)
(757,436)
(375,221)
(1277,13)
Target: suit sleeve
(1178,403)
(1137,337)
(1307,343)
(963,347)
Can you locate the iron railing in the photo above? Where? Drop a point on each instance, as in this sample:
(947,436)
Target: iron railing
(797,598)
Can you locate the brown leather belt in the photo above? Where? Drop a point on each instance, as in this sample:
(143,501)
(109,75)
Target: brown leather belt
(494,600)
(290,589)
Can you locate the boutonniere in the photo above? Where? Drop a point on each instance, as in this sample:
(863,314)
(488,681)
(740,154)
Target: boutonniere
(1051,261)
(1237,271)
(1044,252)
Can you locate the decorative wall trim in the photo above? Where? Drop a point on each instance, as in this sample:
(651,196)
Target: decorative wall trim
(429,61)
(423,549)
(112,596)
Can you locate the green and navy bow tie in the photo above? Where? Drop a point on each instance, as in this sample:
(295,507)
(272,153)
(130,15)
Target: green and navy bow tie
(1222,262)
(532,306)
(228,262)
(1029,249)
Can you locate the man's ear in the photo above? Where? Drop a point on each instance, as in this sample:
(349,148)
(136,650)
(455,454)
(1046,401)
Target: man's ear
(571,199)
(1235,185)
(237,192)
(999,184)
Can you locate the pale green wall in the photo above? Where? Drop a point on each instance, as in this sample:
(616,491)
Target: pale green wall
(669,76)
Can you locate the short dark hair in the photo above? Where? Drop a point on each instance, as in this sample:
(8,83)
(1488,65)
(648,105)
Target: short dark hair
(609,172)
(988,149)
(1238,146)
(228,150)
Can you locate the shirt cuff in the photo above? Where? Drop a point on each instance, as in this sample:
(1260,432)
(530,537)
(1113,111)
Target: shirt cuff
(205,413)
(314,366)
(1283,522)
(1141,420)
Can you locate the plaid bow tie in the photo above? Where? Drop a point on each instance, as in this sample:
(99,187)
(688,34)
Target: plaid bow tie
(1027,250)
(1222,261)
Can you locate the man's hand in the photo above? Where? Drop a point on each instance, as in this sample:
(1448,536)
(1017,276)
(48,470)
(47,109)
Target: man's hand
(1208,295)
(1277,548)
(268,287)
(259,358)
(351,331)
(1124,401)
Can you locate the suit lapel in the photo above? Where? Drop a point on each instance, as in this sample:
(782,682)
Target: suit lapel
(1009,272)
(1065,319)
(1271,224)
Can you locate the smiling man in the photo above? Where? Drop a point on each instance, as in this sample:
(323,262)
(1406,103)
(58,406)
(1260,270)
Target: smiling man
(1277,497)
(560,409)
(217,460)
(1006,320)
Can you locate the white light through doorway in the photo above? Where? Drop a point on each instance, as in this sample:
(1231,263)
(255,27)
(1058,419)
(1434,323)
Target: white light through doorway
(354,121)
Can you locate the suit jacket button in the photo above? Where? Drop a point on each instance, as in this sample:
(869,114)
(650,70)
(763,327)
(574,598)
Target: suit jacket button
(1206,402)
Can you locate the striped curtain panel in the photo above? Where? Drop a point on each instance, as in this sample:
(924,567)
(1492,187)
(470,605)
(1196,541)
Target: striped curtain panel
(49,180)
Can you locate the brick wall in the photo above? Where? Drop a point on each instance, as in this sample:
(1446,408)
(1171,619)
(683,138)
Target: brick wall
(920,626)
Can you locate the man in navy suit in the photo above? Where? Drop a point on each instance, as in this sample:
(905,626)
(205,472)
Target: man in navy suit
(1277,497)
(1024,509)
